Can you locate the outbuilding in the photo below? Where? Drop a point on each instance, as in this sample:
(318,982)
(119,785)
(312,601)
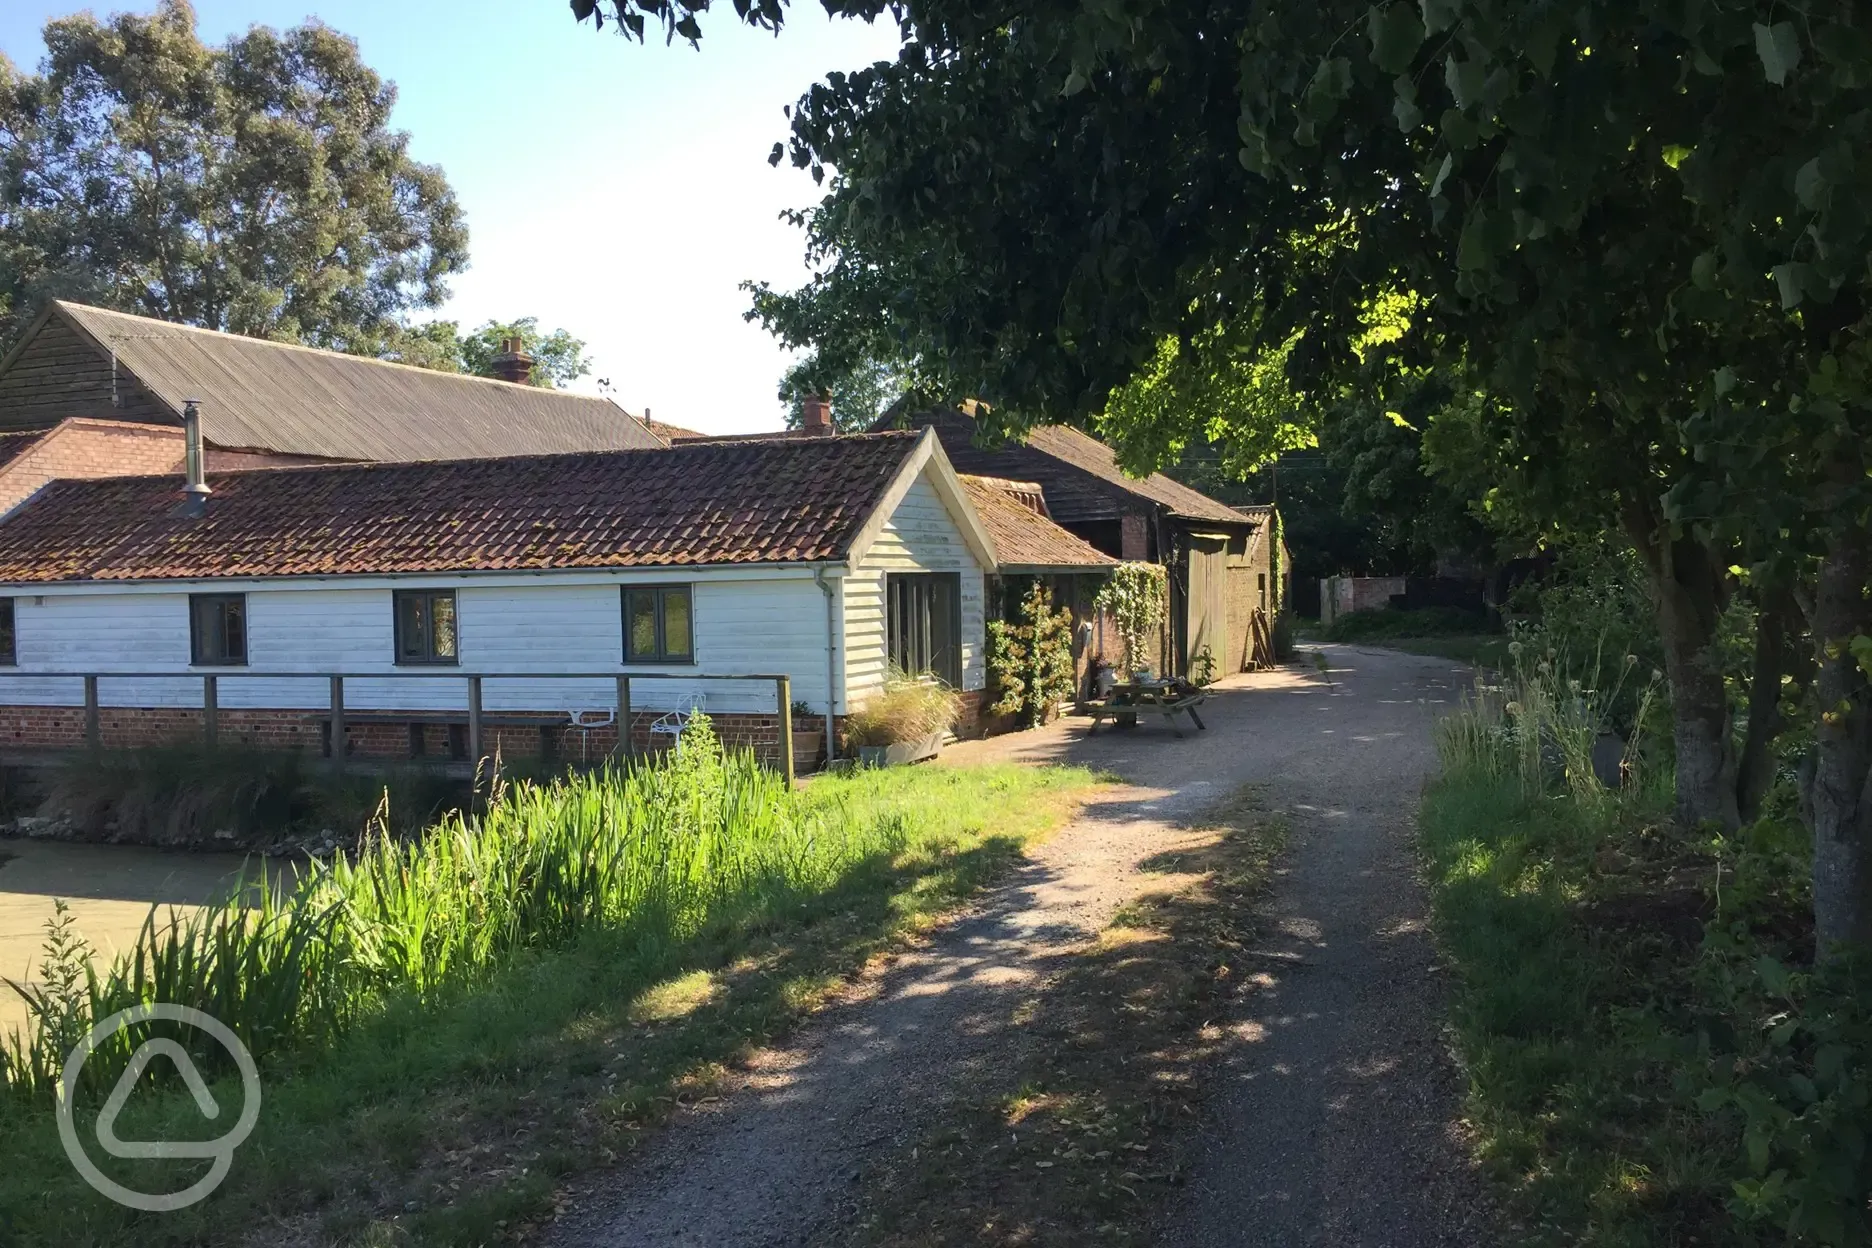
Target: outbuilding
(397,601)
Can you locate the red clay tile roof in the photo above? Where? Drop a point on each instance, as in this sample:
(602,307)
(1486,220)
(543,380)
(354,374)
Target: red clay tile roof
(1024,540)
(671,433)
(739,502)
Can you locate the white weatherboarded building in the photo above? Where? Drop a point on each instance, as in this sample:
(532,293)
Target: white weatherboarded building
(825,560)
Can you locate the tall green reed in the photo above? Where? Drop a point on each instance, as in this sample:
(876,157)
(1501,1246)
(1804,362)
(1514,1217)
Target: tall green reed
(1540,724)
(653,852)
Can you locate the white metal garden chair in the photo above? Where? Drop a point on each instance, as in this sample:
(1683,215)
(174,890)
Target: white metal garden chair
(585,723)
(670,724)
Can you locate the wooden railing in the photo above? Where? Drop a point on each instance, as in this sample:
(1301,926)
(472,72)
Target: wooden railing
(211,698)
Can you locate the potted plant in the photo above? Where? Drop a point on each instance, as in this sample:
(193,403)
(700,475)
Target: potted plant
(904,723)
(808,738)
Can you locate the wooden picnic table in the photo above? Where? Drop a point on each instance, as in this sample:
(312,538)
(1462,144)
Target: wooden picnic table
(1168,698)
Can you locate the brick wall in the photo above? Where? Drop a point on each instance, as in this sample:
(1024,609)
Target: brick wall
(1134,533)
(87,448)
(62,727)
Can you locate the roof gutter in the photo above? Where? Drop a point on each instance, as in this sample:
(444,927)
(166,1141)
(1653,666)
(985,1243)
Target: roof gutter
(831,661)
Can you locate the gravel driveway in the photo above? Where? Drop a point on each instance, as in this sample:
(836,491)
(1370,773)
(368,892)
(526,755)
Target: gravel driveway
(1333,1126)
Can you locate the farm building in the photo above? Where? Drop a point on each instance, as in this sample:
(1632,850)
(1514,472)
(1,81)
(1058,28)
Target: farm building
(1226,565)
(112,388)
(433,588)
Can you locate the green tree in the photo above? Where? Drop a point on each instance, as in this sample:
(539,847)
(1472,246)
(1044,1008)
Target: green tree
(254,187)
(558,357)
(1389,480)
(1210,390)
(861,391)
(1634,230)
(1325,531)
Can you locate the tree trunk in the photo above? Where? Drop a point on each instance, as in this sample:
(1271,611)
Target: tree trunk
(1776,628)
(1837,797)
(1690,593)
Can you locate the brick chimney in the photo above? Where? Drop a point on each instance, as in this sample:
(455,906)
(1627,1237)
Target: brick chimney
(816,415)
(513,363)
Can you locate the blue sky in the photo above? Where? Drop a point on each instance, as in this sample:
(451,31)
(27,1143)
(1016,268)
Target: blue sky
(619,190)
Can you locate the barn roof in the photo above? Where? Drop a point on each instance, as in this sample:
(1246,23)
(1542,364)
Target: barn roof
(274,396)
(1080,475)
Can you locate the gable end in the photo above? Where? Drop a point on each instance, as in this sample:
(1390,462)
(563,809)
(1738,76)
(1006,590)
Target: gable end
(56,373)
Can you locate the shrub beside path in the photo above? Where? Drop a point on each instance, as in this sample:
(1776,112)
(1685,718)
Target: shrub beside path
(1334,1119)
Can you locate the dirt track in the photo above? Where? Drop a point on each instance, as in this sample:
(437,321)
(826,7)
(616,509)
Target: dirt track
(1333,1122)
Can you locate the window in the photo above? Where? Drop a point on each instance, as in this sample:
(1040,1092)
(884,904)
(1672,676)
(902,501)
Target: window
(218,630)
(1261,584)
(425,626)
(923,624)
(9,654)
(658,624)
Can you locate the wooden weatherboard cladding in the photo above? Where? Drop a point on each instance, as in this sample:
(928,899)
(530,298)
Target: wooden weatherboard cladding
(56,372)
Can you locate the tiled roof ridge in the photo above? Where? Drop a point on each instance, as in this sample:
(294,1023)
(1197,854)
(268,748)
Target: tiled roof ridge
(519,460)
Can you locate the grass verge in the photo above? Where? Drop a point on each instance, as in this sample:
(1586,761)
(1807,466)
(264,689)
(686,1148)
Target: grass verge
(1087,1126)
(454,1118)
(1654,1056)
(1575,944)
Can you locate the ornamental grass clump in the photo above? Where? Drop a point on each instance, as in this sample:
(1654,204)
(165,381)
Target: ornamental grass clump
(652,853)
(908,708)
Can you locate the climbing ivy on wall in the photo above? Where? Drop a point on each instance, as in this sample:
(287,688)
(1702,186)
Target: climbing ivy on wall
(1134,597)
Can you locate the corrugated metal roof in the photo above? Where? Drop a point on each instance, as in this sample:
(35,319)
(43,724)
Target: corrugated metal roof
(691,504)
(274,396)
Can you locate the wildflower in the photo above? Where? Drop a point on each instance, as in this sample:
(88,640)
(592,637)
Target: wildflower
(1513,708)
(1631,660)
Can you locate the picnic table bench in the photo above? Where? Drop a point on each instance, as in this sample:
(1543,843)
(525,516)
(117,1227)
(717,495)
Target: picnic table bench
(1168,698)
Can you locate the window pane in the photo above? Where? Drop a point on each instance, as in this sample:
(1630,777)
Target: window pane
(216,628)
(442,625)
(676,643)
(945,652)
(234,626)
(412,630)
(643,629)
(8,655)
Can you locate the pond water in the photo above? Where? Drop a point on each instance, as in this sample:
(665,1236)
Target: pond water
(110,889)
